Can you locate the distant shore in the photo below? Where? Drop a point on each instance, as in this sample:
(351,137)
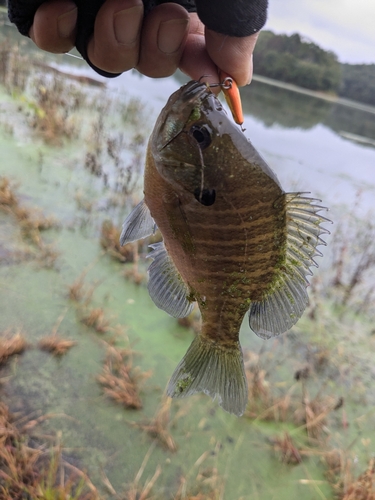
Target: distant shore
(320,95)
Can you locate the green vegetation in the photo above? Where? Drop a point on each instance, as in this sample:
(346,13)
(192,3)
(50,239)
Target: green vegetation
(293,59)
(358,82)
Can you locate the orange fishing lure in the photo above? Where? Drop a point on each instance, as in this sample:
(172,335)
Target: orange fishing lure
(232,96)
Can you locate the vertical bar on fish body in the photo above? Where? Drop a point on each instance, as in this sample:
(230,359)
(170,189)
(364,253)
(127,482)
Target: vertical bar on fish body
(232,96)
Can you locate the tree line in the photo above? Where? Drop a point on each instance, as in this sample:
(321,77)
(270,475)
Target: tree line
(294,59)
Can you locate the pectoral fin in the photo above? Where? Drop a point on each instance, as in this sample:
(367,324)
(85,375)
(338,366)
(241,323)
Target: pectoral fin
(138,224)
(286,300)
(166,287)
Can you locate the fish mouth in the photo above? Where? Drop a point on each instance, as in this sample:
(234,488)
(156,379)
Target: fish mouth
(176,113)
(193,91)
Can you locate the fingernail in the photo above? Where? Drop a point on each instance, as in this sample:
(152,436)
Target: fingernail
(66,23)
(171,34)
(127,24)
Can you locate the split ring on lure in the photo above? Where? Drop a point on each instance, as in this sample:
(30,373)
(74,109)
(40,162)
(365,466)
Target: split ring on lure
(232,96)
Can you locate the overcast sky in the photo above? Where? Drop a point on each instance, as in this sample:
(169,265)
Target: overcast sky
(347,27)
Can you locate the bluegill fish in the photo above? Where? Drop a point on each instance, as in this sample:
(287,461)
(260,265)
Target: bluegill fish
(233,241)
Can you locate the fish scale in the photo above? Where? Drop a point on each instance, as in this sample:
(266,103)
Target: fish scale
(233,241)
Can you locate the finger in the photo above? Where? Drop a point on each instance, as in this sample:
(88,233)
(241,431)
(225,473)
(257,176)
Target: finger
(195,61)
(54,26)
(164,33)
(232,54)
(114,46)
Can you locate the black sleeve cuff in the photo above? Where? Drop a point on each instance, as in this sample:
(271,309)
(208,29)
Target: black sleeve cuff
(233,17)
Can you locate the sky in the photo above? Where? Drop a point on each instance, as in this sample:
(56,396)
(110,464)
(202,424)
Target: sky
(347,27)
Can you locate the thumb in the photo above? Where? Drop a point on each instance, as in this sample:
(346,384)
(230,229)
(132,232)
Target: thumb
(234,55)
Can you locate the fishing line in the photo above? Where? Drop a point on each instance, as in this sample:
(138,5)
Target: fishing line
(73,55)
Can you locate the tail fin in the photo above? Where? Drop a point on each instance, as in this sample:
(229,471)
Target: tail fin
(219,372)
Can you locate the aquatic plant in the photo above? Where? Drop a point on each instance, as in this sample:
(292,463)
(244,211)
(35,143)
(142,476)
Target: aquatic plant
(76,291)
(133,112)
(29,470)
(8,198)
(11,344)
(286,449)
(14,67)
(31,222)
(264,403)
(52,106)
(340,474)
(158,427)
(135,490)
(110,242)
(56,345)
(353,263)
(95,318)
(115,156)
(120,380)
(204,481)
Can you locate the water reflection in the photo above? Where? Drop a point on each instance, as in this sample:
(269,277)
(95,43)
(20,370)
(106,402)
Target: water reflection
(273,105)
(277,106)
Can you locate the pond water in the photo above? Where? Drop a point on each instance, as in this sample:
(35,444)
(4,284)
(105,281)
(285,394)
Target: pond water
(313,145)
(301,137)
(305,140)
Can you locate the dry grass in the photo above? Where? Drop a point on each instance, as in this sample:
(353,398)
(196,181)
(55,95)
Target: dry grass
(76,290)
(14,67)
(137,491)
(110,242)
(312,414)
(56,345)
(294,405)
(339,473)
(263,404)
(32,472)
(95,318)
(30,221)
(11,344)
(8,197)
(158,427)
(53,106)
(132,274)
(207,483)
(119,380)
(286,449)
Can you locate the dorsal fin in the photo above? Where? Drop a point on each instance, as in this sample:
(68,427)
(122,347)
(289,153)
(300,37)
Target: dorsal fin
(285,302)
(166,287)
(137,225)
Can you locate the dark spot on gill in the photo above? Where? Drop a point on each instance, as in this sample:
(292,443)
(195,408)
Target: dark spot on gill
(202,135)
(205,196)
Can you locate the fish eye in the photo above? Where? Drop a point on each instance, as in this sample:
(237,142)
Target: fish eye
(202,135)
(205,196)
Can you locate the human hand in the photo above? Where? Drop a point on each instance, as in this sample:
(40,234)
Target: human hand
(156,45)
